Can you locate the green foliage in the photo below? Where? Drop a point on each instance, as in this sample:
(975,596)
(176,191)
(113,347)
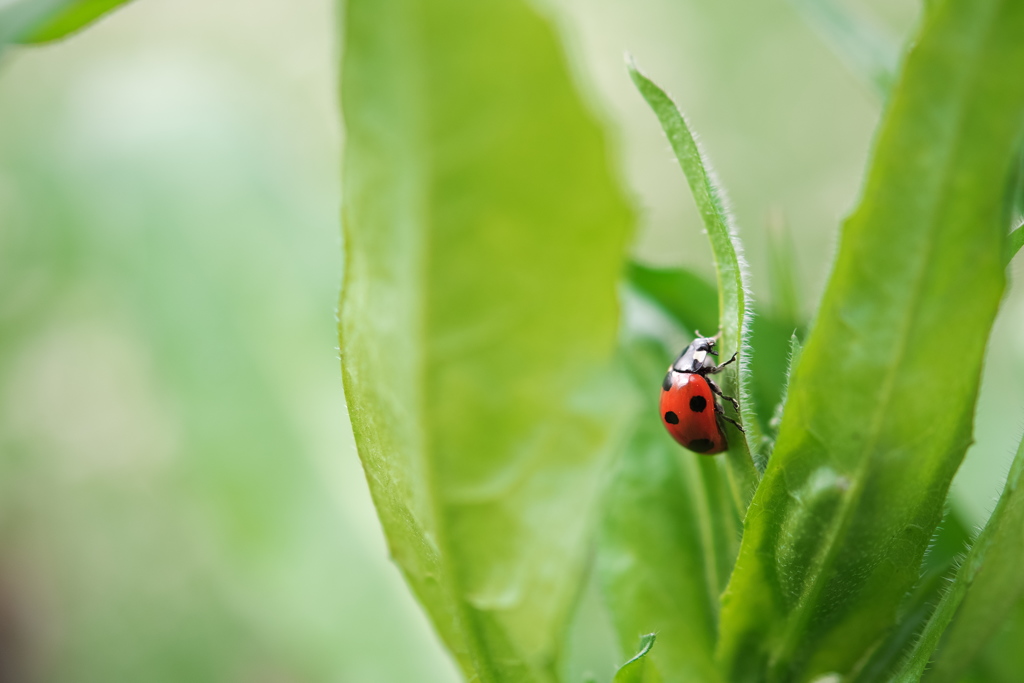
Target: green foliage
(987,587)
(685,296)
(479,377)
(939,566)
(478,324)
(1014,242)
(41,21)
(821,569)
(179,494)
(826,555)
(636,670)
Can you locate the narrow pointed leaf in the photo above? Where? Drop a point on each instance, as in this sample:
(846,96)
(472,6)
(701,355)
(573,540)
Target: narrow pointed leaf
(877,420)
(484,236)
(636,670)
(986,588)
(795,348)
(732,293)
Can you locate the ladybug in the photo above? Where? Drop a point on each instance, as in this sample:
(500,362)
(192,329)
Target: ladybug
(689,410)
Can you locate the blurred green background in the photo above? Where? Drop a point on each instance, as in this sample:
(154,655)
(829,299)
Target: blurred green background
(180,498)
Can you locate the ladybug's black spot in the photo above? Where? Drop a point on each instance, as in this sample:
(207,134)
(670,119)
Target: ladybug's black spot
(698,404)
(666,383)
(701,445)
(671,418)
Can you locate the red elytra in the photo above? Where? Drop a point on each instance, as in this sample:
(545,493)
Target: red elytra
(690,415)
(689,410)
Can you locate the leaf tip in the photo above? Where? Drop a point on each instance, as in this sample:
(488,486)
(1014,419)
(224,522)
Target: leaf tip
(634,70)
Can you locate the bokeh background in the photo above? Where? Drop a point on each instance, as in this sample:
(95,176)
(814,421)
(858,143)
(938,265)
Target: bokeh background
(180,497)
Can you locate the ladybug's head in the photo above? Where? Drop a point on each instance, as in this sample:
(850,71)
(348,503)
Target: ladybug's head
(696,356)
(705,344)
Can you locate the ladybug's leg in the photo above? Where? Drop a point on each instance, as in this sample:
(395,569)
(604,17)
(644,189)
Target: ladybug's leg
(736,424)
(730,399)
(719,368)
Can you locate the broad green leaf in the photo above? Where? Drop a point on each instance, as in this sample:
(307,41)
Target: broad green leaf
(1014,241)
(861,44)
(668,540)
(636,669)
(986,588)
(945,551)
(38,21)
(687,297)
(732,294)
(484,237)
(1002,657)
(876,421)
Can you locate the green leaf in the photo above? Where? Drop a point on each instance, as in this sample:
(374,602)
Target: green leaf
(484,238)
(635,670)
(874,415)
(1014,241)
(795,348)
(732,295)
(861,44)
(687,297)
(668,540)
(987,587)
(1002,658)
(1017,191)
(946,549)
(39,21)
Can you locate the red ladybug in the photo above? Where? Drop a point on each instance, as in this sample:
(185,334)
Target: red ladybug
(689,410)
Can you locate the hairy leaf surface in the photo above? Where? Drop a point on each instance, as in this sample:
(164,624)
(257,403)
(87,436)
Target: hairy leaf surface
(484,237)
(1014,241)
(986,588)
(877,420)
(946,549)
(732,294)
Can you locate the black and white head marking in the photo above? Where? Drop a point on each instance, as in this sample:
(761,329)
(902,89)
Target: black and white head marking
(697,357)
